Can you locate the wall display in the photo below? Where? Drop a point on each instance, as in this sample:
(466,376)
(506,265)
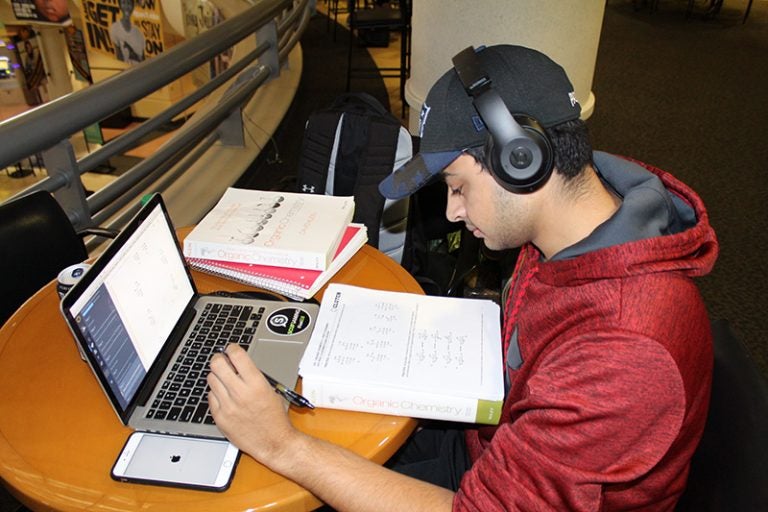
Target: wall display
(32,66)
(77,53)
(129,30)
(42,11)
(199,16)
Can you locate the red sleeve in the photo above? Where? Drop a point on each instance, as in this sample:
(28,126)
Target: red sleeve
(598,410)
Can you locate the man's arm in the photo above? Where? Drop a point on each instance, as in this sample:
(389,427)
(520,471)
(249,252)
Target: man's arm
(253,417)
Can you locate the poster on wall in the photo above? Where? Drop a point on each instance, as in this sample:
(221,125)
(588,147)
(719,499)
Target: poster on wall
(41,11)
(199,16)
(128,30)
(32,66)
(77,53)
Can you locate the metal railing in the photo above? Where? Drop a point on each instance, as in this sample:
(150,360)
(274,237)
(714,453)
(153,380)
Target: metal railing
(277,26)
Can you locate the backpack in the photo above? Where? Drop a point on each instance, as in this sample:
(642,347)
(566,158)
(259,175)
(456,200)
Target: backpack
(445,258)
(347,149)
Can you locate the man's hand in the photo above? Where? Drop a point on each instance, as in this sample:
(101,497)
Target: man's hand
(245,407)
(253,417)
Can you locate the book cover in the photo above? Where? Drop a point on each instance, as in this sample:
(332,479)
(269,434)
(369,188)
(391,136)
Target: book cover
(298,284)
(280,229)
(405,354)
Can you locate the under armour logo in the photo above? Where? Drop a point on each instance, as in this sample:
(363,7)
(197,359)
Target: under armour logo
(574,101)
(308,188)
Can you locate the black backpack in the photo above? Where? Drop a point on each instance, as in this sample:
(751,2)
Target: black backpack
(347,149)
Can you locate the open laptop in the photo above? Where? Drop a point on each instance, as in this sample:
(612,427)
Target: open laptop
(148,335)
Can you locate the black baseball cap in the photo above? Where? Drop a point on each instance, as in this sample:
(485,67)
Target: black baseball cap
(529,82)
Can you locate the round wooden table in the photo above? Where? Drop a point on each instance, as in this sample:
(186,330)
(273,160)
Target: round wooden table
(59,436)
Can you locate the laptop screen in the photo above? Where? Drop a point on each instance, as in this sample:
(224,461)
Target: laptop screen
(134,297)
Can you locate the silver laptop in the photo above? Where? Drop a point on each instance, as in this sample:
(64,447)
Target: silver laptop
(148,335)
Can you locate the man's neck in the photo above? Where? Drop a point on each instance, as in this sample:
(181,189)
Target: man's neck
(570,214)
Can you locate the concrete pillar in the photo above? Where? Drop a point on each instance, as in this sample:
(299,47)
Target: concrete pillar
(568,31)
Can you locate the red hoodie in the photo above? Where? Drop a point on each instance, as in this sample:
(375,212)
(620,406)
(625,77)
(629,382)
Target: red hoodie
(609,401)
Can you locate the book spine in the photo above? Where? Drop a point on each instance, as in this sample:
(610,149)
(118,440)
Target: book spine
(254,255)
(283,288)
(400,402)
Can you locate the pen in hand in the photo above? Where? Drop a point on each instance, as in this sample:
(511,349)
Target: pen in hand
(287,393)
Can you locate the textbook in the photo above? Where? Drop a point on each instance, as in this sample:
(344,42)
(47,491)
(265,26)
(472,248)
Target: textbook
(280,229)
(295,283)
(406,355)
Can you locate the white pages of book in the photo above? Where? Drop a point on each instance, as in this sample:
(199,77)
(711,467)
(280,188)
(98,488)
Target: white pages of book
(405,354)
(281,229)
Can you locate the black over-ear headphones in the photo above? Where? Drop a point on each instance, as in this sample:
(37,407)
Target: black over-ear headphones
(521,158)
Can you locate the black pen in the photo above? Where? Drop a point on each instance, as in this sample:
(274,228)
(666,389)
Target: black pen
(289,394)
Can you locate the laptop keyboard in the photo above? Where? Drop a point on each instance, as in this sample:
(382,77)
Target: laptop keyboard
(183,395)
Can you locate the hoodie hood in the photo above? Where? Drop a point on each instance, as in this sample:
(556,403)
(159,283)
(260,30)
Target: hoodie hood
(661,226)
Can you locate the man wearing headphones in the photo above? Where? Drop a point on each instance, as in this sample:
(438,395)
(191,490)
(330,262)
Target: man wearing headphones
(606,339)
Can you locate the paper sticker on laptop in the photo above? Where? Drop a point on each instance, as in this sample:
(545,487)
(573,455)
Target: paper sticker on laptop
(288,321)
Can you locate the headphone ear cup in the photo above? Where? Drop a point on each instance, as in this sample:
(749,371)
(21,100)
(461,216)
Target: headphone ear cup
(524,164)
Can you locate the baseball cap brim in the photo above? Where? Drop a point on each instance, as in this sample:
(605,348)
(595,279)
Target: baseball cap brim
(416,173)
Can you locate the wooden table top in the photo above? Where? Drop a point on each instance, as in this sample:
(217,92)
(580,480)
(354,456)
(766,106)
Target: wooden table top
(59,436)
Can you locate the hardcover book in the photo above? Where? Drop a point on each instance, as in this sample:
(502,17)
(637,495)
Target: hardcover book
(279,229)
(406,355)
(297,284)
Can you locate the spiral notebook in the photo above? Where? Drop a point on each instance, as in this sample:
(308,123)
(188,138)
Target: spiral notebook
(295,283)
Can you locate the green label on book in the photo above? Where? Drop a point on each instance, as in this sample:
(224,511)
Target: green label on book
(488,412)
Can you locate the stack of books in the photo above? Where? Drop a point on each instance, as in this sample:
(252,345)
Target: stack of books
(284,242)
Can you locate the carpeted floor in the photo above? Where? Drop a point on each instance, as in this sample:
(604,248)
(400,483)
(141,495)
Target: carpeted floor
(689,96)
(322,80)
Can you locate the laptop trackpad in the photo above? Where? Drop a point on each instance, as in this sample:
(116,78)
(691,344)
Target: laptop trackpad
(278,359)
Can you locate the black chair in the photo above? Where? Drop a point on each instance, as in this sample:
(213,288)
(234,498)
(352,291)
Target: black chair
(333,12)
(729,470)
(382,18)
(38,241)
